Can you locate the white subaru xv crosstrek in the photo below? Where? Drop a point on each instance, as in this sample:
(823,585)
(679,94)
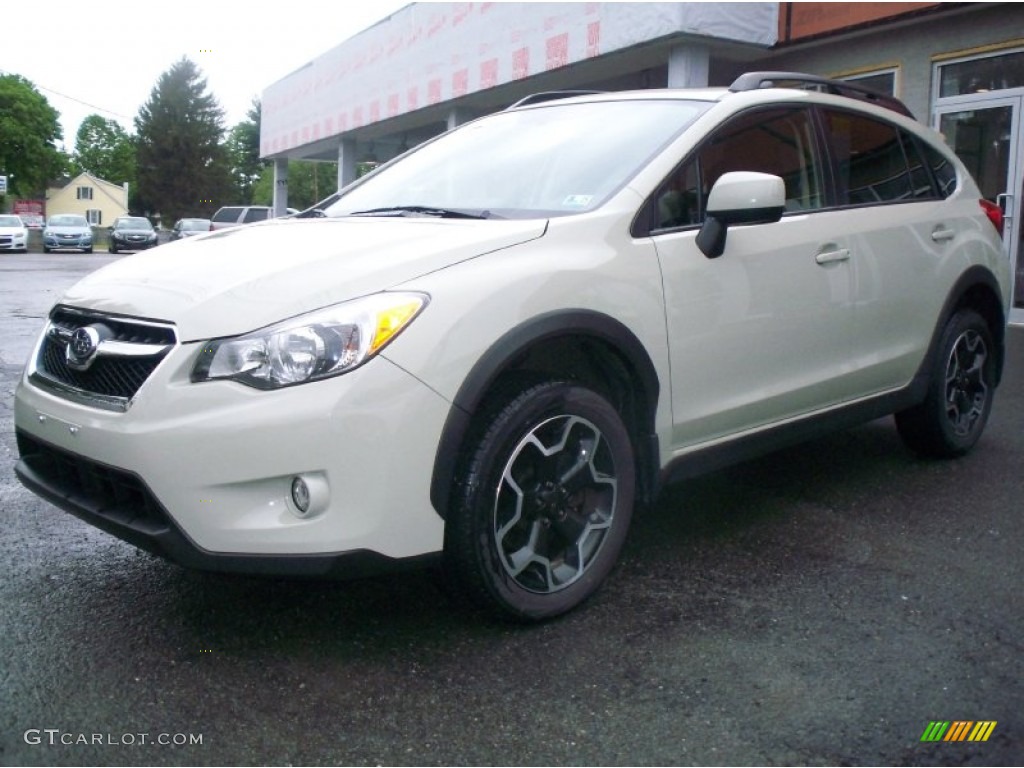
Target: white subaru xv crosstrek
(489,350)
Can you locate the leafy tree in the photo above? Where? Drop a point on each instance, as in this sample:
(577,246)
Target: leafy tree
(243,148)
(308,183)
(181,165)
(104,149)
(29,130)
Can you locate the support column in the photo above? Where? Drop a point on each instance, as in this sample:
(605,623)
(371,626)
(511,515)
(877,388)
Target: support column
(280,186)
(688,66)
(346,162)
(457,117)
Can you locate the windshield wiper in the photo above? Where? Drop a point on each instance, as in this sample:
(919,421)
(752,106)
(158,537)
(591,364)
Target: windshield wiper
(424,210)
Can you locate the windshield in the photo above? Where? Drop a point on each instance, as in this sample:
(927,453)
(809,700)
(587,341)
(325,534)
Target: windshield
(548,161)
(10,221)
(134,222)
(201,225)
(68,221)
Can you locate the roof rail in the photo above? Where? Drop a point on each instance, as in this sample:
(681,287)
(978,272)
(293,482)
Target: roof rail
(540,98)
(751,81)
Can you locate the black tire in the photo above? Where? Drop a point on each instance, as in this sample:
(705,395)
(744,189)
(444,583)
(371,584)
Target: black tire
(540,517)
(88,250)
(953,415)
(45,249)
(111,249)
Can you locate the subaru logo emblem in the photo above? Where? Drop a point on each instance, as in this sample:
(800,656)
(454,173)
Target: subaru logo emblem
(82,347)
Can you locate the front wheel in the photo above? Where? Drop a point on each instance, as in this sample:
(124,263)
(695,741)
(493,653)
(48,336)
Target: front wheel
(543,511)
(953,415)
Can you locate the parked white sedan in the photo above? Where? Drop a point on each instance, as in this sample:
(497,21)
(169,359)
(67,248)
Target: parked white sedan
(13,233)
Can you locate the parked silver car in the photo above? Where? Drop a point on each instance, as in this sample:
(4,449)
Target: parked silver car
(190,227)
(67,231)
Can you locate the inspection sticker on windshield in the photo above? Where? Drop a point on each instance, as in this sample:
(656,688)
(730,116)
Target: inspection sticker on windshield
(577,201)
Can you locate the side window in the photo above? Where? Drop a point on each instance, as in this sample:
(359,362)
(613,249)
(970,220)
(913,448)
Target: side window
(870,161)
(942,169)
(678,200)
(229,215)
(255,214)
(920,178)
(775,141)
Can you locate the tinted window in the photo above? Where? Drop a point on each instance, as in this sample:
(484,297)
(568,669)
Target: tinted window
(870,160)
(255,214)
(777,141)
(942,169)
(227,214)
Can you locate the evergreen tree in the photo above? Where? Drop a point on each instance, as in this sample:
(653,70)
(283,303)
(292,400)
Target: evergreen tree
(29,130)
(244,154)
(182,167)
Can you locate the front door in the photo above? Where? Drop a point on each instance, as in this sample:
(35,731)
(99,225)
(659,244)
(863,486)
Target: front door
(985,132)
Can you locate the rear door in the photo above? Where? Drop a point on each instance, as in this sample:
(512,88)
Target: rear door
(900,228)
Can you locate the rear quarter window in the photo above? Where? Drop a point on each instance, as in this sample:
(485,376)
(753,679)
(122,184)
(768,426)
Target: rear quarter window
(877,162)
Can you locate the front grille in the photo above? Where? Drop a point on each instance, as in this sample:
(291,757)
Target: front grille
(113,494)
(128,353)
(110,376)
(132,332)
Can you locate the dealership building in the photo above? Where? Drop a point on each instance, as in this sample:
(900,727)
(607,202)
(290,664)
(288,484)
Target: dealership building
(429,67)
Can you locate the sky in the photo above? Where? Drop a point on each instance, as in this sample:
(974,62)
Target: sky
(105,56)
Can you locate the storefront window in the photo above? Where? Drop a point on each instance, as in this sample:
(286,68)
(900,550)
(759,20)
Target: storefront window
(992,73)
(883,82)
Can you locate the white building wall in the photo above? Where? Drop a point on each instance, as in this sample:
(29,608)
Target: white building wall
(429,53)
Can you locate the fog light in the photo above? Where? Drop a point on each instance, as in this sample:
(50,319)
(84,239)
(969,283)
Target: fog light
(311,495)
(300,494)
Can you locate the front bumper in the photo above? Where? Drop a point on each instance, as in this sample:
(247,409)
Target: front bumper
(201,473)
(13,243)
(77,243)
(128,244)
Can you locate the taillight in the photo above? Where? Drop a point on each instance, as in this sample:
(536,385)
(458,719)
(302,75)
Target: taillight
(994,213)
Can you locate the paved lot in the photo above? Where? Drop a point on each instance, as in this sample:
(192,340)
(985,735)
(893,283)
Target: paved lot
(818,606)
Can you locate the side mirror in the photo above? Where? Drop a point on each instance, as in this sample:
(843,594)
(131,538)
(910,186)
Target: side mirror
(740,197)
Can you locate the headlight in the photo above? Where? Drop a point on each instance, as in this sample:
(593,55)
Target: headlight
(310,347)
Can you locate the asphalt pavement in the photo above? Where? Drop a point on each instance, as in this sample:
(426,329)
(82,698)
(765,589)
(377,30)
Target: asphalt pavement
(819,606)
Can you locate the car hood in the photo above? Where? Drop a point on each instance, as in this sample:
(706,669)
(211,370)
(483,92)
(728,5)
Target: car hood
(237,280)
(126,231)
(11,230)
(69,230)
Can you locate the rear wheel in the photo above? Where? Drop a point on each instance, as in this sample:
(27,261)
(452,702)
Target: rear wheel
(953,415)
(544,509)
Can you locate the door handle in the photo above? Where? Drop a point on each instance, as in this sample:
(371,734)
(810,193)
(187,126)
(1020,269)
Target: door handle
(831,257)
(942,235)
(1005,202)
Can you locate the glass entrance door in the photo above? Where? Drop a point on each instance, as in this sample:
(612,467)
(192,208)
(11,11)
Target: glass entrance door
(985,132)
